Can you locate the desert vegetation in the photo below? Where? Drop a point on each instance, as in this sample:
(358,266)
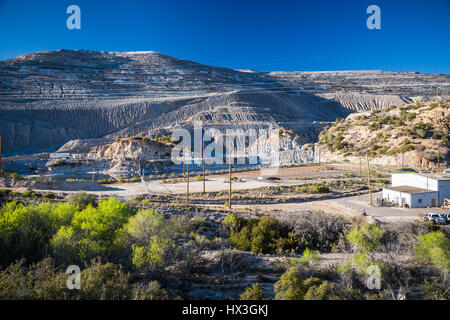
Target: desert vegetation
(126,252)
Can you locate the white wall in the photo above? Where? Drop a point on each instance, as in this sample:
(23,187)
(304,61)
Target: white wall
(418,181)
(412,200)
(414,180)
(397,197)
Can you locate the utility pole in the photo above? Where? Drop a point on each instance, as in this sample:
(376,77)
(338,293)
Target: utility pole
(368,179)
(187,187)
(134,129)
(435,139)
(319,158)
(1,170)
(438,159)
(203,163)
(229,178)
(360,167)
(314,163)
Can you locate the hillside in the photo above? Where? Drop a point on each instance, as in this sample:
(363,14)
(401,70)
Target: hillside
(49,98)
(413,135)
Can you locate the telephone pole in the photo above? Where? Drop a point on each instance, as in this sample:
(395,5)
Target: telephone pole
(1,170)
(368,179)
(203,163)
(187,187)
(360,167)
(229,178)
(436,140)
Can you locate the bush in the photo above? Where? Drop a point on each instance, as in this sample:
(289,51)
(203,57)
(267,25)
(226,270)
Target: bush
(82,200)
(92,232)
(253,293)
(319,188)
(318,231)
(152,291)
(38,281)
(104,282)
(25,230)
(291,286)
(434,248)
(421,133)
(322,291)
(49,195)
(264,235)
(27,194)
(151,238)
(4,192)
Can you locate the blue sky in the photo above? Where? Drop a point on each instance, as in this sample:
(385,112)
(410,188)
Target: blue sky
(255,34)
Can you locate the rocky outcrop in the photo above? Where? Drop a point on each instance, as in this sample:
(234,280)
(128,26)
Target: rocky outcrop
(413,135)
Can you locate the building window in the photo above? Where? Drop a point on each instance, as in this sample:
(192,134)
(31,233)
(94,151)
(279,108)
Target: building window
(420,200)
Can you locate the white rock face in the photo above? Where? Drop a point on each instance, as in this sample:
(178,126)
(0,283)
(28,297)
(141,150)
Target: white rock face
(49,98)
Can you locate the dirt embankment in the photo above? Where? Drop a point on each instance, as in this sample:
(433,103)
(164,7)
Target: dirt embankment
(62,185)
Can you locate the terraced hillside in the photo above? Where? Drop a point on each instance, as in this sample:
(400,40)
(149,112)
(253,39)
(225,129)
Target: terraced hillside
(414,135)
(50,98)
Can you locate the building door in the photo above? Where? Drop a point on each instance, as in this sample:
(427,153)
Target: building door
(433,202)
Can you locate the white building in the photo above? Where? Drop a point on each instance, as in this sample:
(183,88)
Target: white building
(418,190)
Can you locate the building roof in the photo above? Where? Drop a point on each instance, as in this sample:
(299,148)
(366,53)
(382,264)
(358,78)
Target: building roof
(436,175)
(409,189)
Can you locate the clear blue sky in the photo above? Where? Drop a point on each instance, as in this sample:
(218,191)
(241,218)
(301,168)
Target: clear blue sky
(256,34)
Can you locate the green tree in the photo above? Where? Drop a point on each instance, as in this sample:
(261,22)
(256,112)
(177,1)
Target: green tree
(434,248)
(92,232)
(151,239)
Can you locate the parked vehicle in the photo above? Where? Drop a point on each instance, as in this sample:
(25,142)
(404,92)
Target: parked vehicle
(446,217)
(437,218)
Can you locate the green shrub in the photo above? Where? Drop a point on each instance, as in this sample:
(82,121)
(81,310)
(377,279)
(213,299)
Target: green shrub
(104,282)
(82,200)
(291,286)
(320,188)
(28,194)
(264,235)
(39,281)
(152,291)
(4,192)
(150,236)
(253,293)
(49,195)
(434,248)
(92,232)
(421,132)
